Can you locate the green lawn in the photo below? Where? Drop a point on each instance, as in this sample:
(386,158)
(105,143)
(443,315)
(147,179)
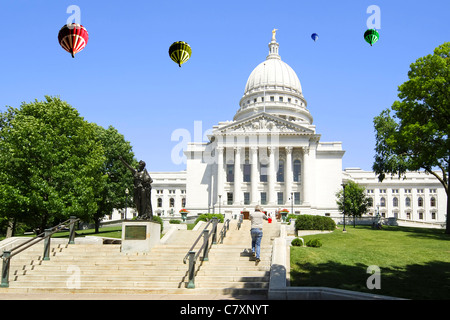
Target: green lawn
(107,232)
(414,263)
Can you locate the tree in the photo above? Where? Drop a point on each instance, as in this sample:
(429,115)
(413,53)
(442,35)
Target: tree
(356,202)
(415,136)
(118,178)
(50,160)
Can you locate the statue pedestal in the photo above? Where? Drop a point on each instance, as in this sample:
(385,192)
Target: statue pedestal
(139,236)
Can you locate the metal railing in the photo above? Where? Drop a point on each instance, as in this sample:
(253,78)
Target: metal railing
(194,255)
(46,236)
(223,232)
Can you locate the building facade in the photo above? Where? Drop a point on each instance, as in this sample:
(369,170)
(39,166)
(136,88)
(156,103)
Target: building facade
(270,154)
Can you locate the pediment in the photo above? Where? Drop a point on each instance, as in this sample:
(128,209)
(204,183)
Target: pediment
(265,123)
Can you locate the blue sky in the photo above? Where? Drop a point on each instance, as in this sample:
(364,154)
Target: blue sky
(125,78)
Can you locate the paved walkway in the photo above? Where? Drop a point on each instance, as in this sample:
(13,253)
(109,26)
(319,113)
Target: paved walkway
(98,296)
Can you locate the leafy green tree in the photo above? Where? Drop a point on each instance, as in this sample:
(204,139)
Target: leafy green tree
(356,202)
(50,163)
(415,135)
(118,178)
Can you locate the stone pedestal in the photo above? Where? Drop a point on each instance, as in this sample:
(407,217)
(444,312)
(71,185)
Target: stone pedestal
(139,236)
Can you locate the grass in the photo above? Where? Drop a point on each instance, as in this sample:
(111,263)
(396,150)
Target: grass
(414,263)
(108,232)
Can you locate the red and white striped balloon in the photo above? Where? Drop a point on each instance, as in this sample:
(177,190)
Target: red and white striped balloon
(73,38)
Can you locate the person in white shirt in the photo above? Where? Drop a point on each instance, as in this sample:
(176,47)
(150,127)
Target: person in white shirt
(256,231)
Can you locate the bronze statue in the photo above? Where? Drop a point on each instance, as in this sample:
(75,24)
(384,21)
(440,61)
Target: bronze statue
(142,190)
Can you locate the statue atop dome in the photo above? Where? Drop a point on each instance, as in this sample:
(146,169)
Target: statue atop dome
(274,33)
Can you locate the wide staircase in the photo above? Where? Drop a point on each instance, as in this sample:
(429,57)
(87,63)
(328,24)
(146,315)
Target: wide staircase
(93,268)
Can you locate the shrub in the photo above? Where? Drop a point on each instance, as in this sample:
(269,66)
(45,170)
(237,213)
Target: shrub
(310,222)
(174,221)
(290,217)
(316,243)
(158,220)
(209,216)
(297,242)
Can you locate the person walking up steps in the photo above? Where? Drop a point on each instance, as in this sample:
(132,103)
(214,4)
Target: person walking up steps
(256,231)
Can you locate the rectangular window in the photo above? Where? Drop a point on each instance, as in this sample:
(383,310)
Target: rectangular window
(296,197)
(263,198)
(247,172)
(264,170)
(230,172)
(280,172)
(272,98)
(280,197)
(229,197)
(297,171)
(246,197)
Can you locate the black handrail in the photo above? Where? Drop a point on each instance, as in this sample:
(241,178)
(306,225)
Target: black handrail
(195,242)
(193,255)
(205,248)
(46,235)
(223,232)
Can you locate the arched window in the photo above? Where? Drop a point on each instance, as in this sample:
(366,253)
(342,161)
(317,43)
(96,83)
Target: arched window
(297,171)
(395,202)
(408,201)
(159,202)
(280,173)
(420,202)
(383,202)
(172,202)
(183,202)
(433,202)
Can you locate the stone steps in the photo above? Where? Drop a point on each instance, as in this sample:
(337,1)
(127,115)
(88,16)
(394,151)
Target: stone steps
(87,268)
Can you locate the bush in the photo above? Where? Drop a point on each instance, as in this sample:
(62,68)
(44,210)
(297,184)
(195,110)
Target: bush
(158,220)
(297,242)
(174,221)
(292,217)
(310,222)
(316,243)
(209,216)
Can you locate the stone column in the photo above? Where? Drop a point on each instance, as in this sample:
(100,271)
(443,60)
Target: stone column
(272,177)
(289,177)
(220,173)
(237,176)
(254,178)
(308,176)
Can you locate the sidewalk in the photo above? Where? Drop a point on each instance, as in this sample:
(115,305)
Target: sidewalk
(99,296)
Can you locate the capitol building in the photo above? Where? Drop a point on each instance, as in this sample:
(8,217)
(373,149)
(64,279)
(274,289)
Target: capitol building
(271,154)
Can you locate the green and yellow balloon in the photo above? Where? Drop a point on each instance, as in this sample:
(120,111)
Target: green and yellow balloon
(180,52)
(371,36)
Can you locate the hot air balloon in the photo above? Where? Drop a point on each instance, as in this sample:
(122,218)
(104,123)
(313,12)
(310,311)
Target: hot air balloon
(315,36)
(73,38)
(371,36)
(180,52)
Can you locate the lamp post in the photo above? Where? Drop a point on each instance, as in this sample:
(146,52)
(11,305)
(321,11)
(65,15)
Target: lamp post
(220,200)
(343,206)
(126,201)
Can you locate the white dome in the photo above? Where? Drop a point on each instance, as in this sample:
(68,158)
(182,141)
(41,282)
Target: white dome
(273,87)
(273,72)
